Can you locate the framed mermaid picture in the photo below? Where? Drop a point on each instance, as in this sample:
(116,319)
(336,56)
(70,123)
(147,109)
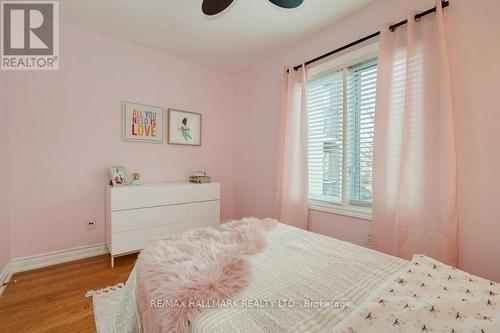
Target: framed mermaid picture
(184,128)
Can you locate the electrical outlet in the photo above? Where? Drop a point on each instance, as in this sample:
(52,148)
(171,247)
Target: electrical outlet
(91,223)
(369,239)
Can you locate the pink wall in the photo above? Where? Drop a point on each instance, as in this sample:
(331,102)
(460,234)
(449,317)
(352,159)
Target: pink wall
(474,54)
(473,32)
(4,171)
(66,133)
(347,228)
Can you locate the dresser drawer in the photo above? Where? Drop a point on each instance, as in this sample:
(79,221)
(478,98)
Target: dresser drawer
(133,219)
(205,210)
(206,192)
(143,218)
(136,240)
(131,197)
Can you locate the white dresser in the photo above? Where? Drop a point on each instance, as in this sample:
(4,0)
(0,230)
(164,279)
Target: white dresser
(137,214)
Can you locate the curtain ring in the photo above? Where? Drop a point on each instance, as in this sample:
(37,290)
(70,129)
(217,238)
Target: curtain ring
(392,28)
(417,18)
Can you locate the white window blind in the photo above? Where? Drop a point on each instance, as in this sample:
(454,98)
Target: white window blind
(341,107)
(325,105)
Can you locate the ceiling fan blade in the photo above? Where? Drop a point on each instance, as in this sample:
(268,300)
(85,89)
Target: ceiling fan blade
(287,3)
(214,7)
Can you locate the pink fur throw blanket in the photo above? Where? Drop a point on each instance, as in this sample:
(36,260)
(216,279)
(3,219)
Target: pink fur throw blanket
(178,273)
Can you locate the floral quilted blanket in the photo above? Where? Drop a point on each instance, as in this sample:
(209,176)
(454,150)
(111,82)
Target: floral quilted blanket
(428,296)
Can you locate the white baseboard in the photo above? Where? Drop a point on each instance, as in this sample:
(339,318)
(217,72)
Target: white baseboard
(22,264)
(57,257)
(5,276)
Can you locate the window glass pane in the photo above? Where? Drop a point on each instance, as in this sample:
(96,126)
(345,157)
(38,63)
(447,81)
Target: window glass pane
(325,111)
(361,91)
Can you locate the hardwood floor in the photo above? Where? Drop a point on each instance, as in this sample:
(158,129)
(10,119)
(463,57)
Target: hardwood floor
(52,299)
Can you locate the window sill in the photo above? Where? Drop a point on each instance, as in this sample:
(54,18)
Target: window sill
(364,213)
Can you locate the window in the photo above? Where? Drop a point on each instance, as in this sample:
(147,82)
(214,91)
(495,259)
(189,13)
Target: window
(341,105)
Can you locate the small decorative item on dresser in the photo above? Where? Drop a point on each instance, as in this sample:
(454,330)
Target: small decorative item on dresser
(136,179)
(199,172)
(200,177)
(118,176)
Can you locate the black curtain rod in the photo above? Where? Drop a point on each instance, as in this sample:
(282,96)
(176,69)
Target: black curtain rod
(361,40)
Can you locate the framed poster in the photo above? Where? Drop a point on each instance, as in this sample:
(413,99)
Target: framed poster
(142,123)
(184,128)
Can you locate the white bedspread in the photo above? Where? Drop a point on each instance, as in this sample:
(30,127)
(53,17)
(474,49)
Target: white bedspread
(301,266)
(296,269)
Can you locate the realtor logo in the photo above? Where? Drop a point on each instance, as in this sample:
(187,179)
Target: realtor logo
(30,35)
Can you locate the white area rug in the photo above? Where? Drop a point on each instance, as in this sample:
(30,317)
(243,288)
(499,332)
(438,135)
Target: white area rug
(106,305)
(115,308)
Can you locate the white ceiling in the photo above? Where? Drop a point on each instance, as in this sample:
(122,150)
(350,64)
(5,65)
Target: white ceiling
(239,37)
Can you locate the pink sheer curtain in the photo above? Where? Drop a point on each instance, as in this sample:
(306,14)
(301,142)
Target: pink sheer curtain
(291,202)
(414,168)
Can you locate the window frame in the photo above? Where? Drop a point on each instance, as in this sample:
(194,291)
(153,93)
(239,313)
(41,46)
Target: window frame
(362,210)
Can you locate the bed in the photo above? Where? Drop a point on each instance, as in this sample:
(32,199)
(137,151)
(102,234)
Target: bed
(330,286)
